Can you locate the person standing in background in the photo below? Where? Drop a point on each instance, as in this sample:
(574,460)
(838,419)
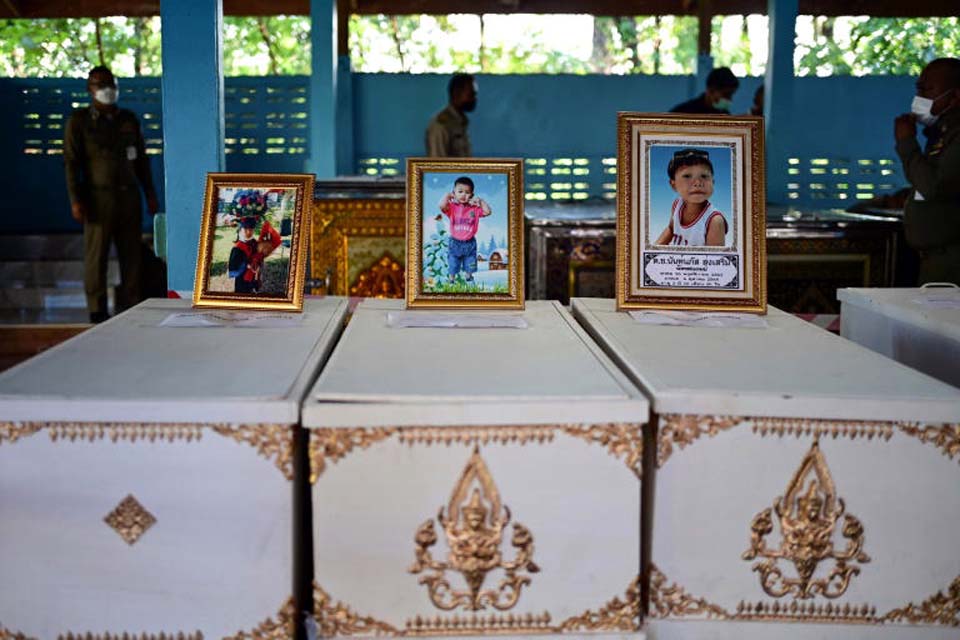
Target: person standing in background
(721,85)
(106,166)
(931,220)
(446,135)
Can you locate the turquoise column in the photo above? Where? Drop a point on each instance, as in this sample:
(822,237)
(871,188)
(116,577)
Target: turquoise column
(322,158)
(778,95)
(704,67)
(192,124)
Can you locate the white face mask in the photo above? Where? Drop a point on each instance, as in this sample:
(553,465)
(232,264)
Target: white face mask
(106,95)
(921,108)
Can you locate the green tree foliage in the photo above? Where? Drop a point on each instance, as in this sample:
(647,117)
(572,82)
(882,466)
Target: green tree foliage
(70,47)
(266,45)
(873,46)
(280,45)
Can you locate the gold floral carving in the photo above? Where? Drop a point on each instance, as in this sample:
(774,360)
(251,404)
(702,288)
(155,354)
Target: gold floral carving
(334,444)
(279,628)
(337,619)
(684,430)
(808,514)
(621,440)
(945,437)
(6,634)
(272,441)
(382,280)
(196,635)
(816,428)
(616,615)
(13,431)
(796,611)
(130,519)
(476,435)
(473,524)
(331,444)
(938,609)
(672,601)
(479,624)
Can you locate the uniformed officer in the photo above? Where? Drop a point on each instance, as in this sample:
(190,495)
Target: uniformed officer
(931,220)
(106,166)
(446,135)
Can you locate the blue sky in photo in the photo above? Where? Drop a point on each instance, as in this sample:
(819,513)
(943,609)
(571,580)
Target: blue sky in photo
(492,187)
(662,194)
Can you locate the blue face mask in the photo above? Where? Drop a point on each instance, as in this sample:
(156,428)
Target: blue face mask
(723,104)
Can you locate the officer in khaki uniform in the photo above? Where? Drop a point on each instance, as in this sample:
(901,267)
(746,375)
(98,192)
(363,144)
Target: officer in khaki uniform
(446,135)
(932,213)
(106,166)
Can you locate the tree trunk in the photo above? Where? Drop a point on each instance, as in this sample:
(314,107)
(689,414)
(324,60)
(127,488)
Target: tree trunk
(396,41)
(267,40)
(483,57)
(103,62)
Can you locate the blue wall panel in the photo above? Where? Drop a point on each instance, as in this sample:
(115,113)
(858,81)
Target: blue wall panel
(840,138)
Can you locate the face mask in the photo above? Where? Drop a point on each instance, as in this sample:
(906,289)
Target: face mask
(723,104)
(921,108)
(106,95)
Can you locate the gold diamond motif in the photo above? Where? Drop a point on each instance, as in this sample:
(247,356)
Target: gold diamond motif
(130,520)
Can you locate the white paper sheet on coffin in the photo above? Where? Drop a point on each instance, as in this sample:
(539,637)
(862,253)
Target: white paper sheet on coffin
(409,319)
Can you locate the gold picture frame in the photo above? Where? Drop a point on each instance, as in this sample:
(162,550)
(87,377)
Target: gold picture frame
(253,241)
(489,221)
(691,213)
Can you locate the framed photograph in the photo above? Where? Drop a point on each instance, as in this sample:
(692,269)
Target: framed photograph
(465,233)
(253,241)
(691,214)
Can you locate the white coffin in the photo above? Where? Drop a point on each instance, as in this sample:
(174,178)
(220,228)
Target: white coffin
(537,420)
(739,412)
(196,425)
(906,325)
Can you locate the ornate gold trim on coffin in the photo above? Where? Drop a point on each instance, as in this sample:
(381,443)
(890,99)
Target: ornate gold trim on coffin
(6,634)
(329,445)
(672,601)
(279,628)
(337,619)
(196,635)
(622,440)
(679,431)
(808,513)
(272,441)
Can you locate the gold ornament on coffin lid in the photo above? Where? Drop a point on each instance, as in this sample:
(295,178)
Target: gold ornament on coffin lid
(808,514)
(130,519)
(473,524)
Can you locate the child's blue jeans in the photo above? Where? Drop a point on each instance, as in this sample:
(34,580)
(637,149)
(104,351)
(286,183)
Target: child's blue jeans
(462,256)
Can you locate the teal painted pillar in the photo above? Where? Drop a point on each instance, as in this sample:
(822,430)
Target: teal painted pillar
(346,152)
(778,95)
(704,67)
(322,159)
(192,124)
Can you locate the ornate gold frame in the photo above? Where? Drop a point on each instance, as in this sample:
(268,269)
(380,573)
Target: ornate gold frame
(335,223)
(415,296)
(751,233)
(292,300)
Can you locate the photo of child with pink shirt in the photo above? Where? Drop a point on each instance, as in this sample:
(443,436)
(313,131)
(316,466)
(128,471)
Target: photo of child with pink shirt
(464,211)
(465,247)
